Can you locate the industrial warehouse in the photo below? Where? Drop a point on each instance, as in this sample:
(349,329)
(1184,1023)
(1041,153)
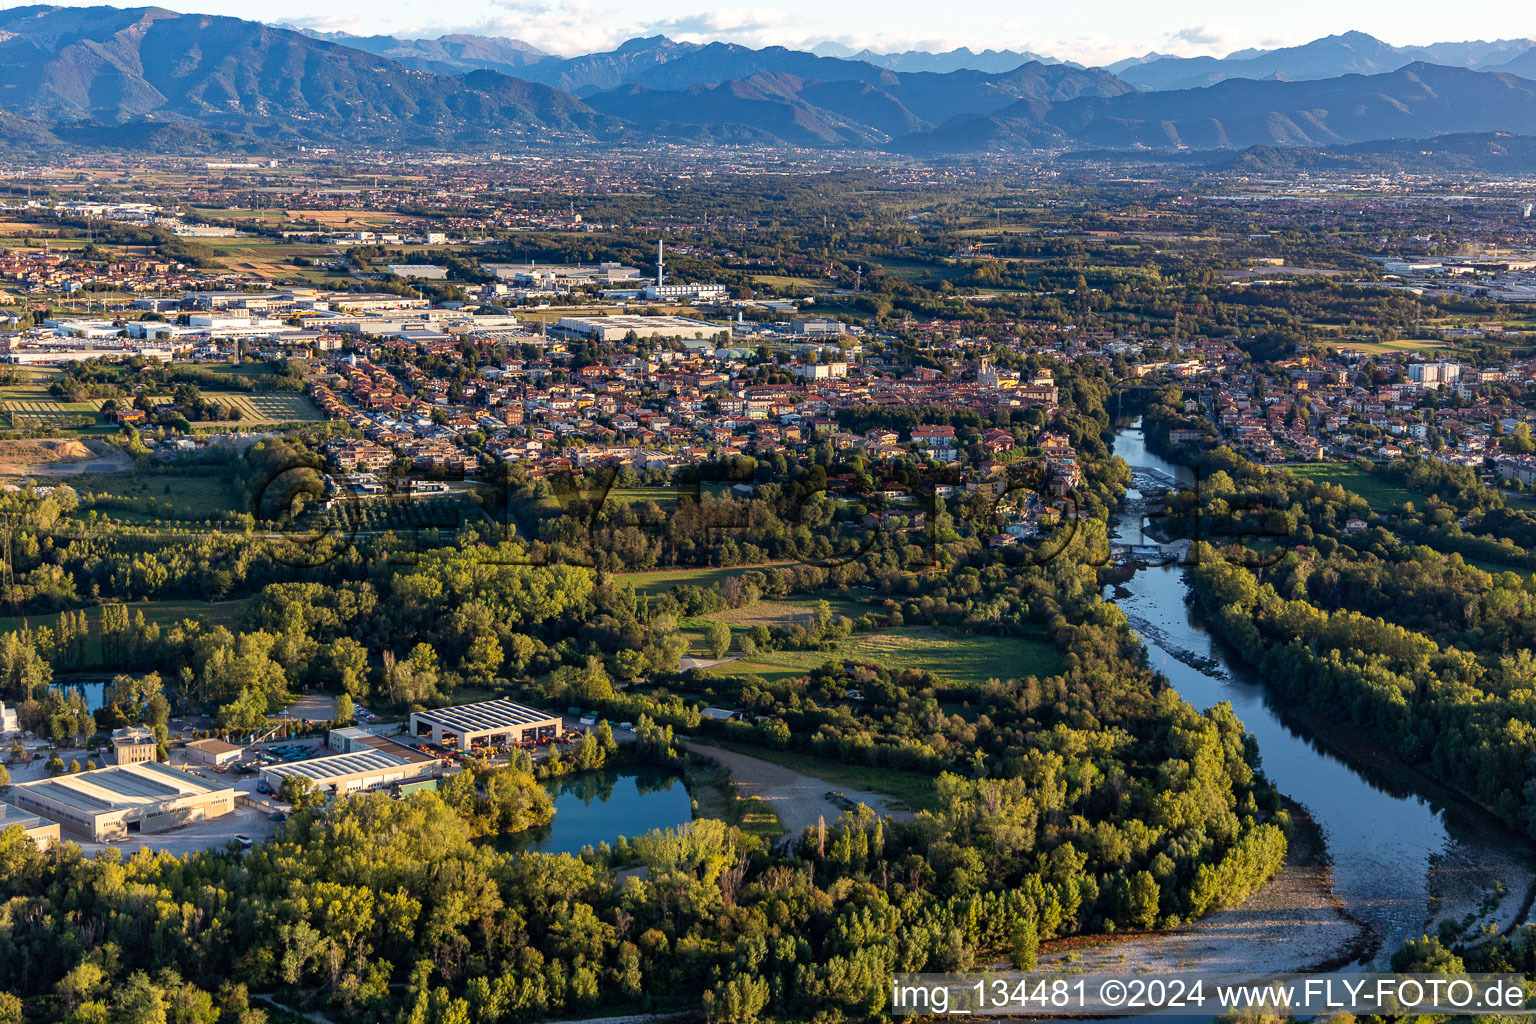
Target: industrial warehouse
(366,768)
(108,803)
(43,833)
(492,723)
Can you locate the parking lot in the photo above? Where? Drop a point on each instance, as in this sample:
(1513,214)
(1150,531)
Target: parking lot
(214,834)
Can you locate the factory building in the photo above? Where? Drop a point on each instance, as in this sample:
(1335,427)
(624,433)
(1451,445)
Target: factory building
(492,723)
(213,753)
(111,802)
(42,832)
(354,738)
(357,772)
(618,327)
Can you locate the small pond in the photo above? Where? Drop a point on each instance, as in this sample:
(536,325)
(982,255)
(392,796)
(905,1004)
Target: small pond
(598,807)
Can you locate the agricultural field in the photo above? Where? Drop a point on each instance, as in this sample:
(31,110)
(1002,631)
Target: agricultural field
(30,404)
(261,256)
(274,407)
(1379,493)
(332,219)
(968,660)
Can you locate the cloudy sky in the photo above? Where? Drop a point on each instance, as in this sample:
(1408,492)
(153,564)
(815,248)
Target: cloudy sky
(1090,31)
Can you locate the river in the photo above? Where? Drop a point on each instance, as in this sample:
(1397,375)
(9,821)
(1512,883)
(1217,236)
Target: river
(1394,850)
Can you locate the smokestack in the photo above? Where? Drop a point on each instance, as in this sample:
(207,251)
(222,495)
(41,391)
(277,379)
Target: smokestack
(661,262)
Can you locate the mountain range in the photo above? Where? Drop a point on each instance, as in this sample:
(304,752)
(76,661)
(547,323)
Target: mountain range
(1329,57)
(1416,102)
(150,78)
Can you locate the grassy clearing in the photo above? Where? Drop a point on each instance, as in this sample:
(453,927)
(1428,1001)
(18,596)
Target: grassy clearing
(194,497)
(783,281)
(666,497)
(1378,493)
(241,369)
(912,271)
(914,789)
(229,614)
(662,581)
(756,817)
(1400,345)
(1498,567)
(966,660)
(790,611)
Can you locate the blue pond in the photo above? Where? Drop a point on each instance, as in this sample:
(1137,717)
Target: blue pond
(598,807)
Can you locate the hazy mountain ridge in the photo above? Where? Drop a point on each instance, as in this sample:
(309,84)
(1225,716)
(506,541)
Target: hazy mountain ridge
(853,109)
(1328,57)
(151,78)
(1419,101)
(106,66)
(446,55)
(960,59)
(1489,152)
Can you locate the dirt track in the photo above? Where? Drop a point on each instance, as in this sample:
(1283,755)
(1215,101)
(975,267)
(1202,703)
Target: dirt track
(798,800)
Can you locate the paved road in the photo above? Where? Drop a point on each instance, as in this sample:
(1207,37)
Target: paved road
(799,801)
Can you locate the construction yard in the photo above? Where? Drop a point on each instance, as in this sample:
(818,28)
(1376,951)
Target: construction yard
(60,458)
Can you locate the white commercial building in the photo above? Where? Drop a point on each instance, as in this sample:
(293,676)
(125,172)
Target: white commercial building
(357,772)
(694,292)
(109,803)
(619,327)
(40,830)
(423,271)
(42,350)
(491,723)
(214,753)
